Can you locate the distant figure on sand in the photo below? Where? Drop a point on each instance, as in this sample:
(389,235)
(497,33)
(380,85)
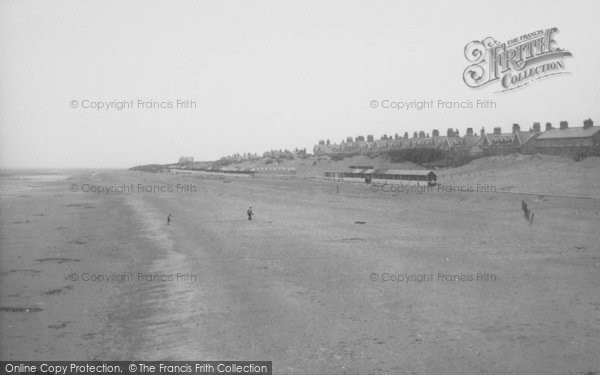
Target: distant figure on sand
(169,219)
(526,211)
(250,213)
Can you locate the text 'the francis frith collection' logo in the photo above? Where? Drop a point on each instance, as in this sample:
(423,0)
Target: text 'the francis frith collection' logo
(515,63)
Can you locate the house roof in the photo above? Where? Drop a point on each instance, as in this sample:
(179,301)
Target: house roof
(453,141)
(525,137)
(504,137)
(271,169)
(327,148)
(491,138)
(381,142)
(439,139)
(403,172)
(471,140)
(404,142)
(579,132)
(413,172)
(422,141)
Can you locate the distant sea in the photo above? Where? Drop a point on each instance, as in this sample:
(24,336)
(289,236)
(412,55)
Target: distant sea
(14,181)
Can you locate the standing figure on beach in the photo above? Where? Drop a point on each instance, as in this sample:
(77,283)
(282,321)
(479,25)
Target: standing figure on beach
(526,210)
(250,213)
(169,219)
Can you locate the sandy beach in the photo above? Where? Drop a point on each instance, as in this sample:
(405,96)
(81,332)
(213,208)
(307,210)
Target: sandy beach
(355,282)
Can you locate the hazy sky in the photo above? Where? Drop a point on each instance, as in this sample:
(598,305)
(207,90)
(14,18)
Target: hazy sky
(264,74)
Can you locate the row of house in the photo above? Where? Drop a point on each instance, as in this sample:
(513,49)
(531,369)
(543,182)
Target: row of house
(188,162)
(565,140)
(272,154)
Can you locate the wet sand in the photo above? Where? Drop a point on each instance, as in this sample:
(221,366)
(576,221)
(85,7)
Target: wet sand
(295,285)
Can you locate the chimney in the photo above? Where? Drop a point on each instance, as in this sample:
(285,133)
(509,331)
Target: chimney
(516,128)
(564,125)
(588,123)
(497,130)
(482,132)
(421,134)
(469,131)
(548,126)
(536,127)
(436,133)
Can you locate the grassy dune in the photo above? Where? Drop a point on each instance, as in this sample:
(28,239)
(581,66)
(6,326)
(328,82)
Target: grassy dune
(531,173)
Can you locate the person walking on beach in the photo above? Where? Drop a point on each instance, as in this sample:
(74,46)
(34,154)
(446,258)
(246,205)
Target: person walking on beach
(169,219)
(250,213)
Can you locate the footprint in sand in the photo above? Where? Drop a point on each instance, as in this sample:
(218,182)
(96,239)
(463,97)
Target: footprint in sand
(77,204)
(26,271)
(57,260)
(78,242)
(58,290)
(20,309)
(58,325)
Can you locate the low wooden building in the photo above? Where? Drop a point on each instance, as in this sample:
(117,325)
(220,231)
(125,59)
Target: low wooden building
(385,176)
(404,176)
